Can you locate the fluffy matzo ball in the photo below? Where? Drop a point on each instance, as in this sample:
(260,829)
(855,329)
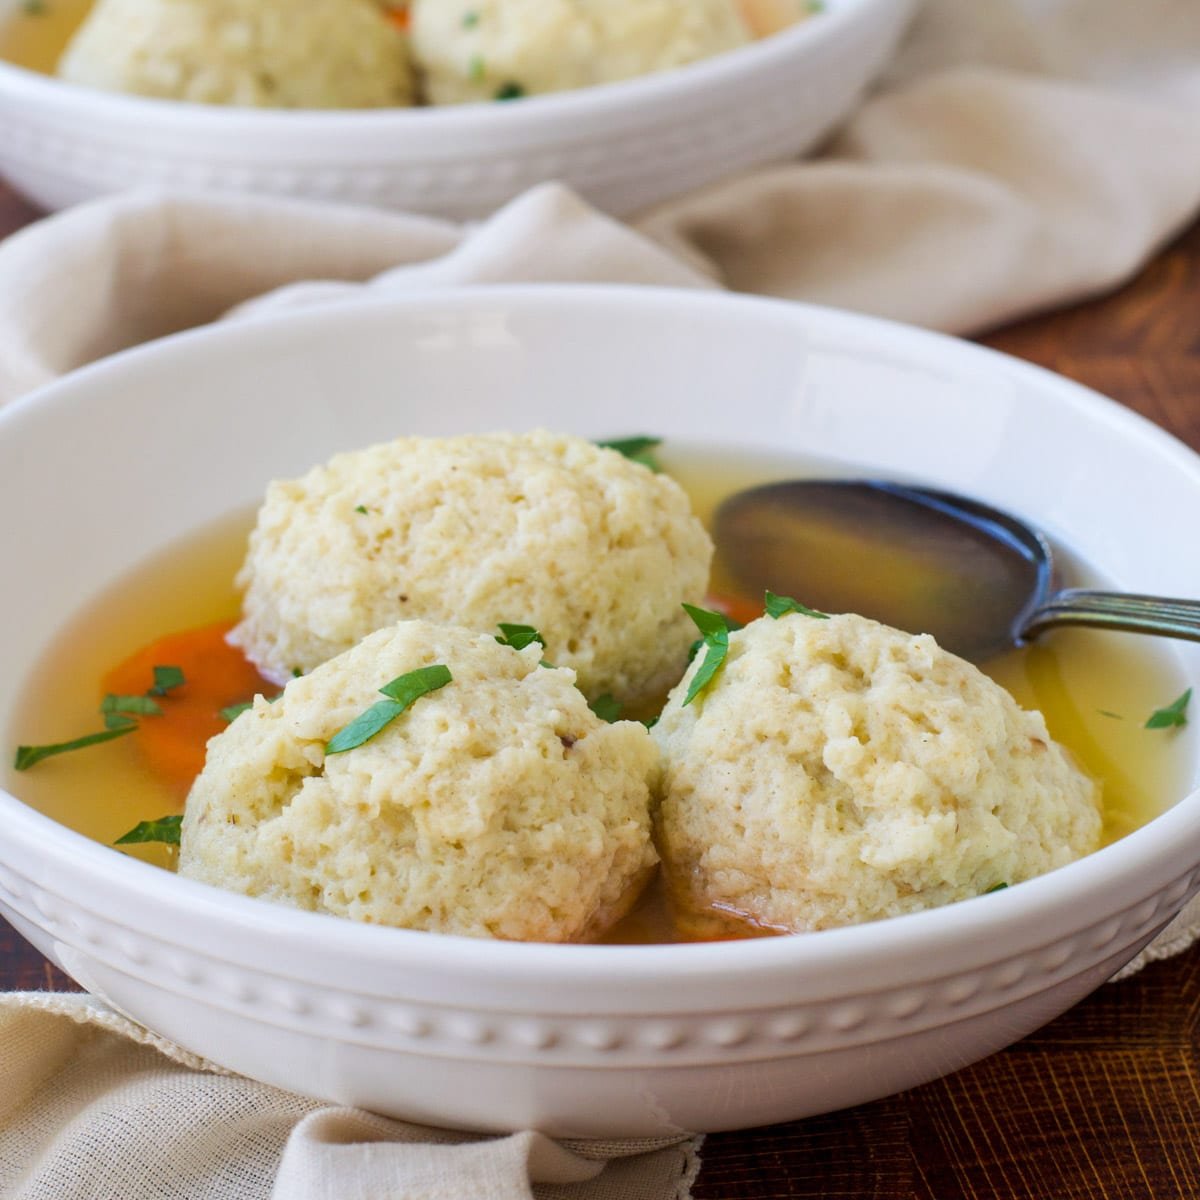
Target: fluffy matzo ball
(271,53)
(496,806)
(486,49)
(838,771)
(594,551)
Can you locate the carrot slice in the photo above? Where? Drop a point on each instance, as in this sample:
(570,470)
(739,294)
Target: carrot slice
(216,676)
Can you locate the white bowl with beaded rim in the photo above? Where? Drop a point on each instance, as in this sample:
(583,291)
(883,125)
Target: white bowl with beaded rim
(576,1039)
(624,146)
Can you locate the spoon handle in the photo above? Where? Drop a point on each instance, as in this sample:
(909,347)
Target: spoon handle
(1116,610)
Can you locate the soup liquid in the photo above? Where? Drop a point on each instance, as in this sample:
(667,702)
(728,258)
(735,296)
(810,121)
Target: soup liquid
(1095,689)
(36,32)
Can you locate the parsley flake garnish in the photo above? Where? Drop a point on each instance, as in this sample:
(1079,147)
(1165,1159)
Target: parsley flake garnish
(509,91)
(1105,712)
(400,693)
(360,508)
(34,8)
(780,606)
(470,19)
(606,707)
(714,639)
(164,829)
(142,705)
(996,887)
(1175,714)
(166,678)
(475,68)
(233,711)
(518,636)
(30,756)
(637,449)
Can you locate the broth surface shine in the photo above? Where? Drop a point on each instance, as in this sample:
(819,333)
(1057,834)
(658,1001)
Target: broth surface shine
(1095,689)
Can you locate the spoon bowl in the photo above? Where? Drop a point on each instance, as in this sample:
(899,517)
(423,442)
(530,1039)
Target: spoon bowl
(978,578)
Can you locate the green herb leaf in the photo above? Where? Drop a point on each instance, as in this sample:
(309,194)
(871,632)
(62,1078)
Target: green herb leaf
(34,8)
(714,637)
(815,6)
(166,678)
(470,19)
(400,693)
(996,887)
(510,91)
(115,720)
(1104,712)
(780,606)
(164,829)
(30,756)
(638,449)
(1175,714)
(233,711)
(475,68)
(606,707)
(519,636)
(143,705)
(360,508)
(650,724)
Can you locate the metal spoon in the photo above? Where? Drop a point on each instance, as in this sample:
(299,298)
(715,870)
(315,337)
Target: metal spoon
(977,578)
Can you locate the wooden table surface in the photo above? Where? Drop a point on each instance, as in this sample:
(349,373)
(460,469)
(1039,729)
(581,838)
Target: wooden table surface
(1103,1103)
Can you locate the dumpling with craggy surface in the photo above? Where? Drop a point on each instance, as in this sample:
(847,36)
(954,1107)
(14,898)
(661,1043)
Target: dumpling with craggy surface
(471,50)
(497,805)
(264,53)
(593,550)
(837,771)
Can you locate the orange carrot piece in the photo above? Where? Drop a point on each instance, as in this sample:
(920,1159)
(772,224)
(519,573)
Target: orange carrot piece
(216,676)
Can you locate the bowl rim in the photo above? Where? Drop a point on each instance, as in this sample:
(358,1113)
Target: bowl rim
(614,99)
(1044,901)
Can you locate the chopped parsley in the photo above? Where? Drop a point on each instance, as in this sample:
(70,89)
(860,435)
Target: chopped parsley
(519,636)
(996,887)
(166,678)
(606,707)
(400,693)
(1175,714)
(30,756)
(360,508)
(34,8)
(1105,712)
(142,705)
(509,91)
(470,19)
(476,68)
(233,711)
(780,606)
(638,449)
(164,829)
(714,640)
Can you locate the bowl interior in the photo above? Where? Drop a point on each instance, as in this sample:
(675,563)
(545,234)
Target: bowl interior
(118,461)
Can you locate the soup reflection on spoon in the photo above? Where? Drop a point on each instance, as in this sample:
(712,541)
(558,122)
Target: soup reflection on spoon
(923,560)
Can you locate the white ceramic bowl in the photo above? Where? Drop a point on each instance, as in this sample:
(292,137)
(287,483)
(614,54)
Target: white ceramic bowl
(592,1040)
(624,146)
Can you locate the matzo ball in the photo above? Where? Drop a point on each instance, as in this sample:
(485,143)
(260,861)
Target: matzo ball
(496,806)
(270,53)
(594,551)
(492,49)
(838,771)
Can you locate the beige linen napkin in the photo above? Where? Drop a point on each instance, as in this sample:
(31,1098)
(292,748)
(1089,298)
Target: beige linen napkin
(1021,154)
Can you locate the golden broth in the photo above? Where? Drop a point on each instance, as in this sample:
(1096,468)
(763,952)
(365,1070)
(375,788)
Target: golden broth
(37,32)
(1095,689)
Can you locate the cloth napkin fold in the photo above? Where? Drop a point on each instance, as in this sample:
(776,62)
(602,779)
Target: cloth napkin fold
(1019,155)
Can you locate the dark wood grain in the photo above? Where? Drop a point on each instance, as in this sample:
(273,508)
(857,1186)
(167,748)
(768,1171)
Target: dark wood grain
(1103,1103)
